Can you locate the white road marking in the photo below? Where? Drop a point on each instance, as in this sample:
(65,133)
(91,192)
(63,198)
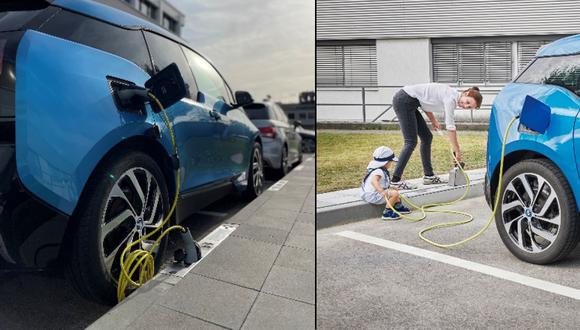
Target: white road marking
(207,244)
(299,168)
(310,159)
(278,185)
(466,264)
(213,214)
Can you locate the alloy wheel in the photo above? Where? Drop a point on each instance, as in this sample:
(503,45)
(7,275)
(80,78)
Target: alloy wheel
(134,208)
(531,212)
(258,172)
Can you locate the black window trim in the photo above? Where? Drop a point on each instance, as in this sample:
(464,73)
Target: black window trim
(541,57)
(143,29)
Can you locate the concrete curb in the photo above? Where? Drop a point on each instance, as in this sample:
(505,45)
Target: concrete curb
(264,261)
(475,126)
(342,207)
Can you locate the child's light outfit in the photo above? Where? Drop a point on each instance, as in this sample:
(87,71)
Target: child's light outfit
(368,193)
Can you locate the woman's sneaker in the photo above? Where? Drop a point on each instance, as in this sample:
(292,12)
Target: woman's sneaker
(388,214)
(402,209)
(402,185)
(432,180)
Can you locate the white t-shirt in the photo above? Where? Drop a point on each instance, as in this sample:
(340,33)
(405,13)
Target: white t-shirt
(384,181)
(436,97)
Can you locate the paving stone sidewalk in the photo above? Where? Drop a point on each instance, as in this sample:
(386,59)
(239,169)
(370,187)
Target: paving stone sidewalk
(261,277)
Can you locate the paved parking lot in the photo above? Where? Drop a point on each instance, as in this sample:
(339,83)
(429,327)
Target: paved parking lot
(382,285)
(46,300)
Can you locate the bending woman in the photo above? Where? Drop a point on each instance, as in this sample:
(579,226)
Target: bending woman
(432,97)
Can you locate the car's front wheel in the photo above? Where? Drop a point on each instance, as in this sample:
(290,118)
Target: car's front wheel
(124,200)
(537,217)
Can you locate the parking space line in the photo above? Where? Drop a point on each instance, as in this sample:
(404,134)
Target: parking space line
(207,244)
(278,185)
(466,264)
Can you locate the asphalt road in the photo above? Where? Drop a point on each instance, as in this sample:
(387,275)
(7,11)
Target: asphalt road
(34,300)
(375,286)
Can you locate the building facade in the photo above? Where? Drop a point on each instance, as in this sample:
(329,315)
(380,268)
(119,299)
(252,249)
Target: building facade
(160,12)
(366,50)
(304,111)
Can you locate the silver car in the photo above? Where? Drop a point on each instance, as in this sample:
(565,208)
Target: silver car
(281,143)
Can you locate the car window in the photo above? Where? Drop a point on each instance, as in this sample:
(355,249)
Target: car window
(208,79)
(165,52)
(258,111)
(280,113)
(128,44)
(559,70)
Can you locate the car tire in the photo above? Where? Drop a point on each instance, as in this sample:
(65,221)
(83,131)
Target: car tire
(542,228)
(99,240)
(284,163)
(255,185)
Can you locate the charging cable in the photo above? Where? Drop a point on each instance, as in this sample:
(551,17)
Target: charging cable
(142,261)
(469,217)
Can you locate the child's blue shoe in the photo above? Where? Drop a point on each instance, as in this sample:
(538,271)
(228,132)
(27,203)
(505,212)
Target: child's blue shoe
(402,209)
(388,214)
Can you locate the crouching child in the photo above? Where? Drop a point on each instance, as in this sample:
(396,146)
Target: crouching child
(375,185)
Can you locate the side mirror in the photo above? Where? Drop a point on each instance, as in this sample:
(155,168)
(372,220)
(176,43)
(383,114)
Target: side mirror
(168,86)
(243,98)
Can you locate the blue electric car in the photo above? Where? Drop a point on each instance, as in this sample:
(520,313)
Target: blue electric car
(81,175)
(538,212)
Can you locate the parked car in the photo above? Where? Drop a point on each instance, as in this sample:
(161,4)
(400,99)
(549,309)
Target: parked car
(80,177)
(308,138)
(282,143)
(538,215)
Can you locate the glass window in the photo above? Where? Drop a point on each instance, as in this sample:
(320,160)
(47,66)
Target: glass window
(258,111)
(472,62)
(169,23)
(280,113)
(311,115)
(560,70)
(147,8)
(290,116)
(344,64)
(208,79)
(128,44)
(165,52)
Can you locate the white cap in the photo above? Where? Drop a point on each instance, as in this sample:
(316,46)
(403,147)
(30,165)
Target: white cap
(381,156)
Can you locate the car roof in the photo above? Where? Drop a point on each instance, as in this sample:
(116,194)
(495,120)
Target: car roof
(115,16)
(565,46)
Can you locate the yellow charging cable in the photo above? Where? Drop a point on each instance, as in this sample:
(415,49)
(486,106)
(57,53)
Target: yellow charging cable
(139,260)
(426,208)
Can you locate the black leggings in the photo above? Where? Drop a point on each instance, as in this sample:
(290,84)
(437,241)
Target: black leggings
(412,125)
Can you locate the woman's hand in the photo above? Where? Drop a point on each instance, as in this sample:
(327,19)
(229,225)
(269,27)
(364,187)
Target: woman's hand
(435,124)
(458,156)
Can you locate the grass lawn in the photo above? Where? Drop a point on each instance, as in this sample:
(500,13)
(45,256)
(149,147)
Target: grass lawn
(342,158)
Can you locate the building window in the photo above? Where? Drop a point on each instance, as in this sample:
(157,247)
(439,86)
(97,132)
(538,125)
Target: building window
(302,115)
(472,62)
(169,23)
(348,63)
(148,9)
(527,51)
(291,115)
(311,115)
